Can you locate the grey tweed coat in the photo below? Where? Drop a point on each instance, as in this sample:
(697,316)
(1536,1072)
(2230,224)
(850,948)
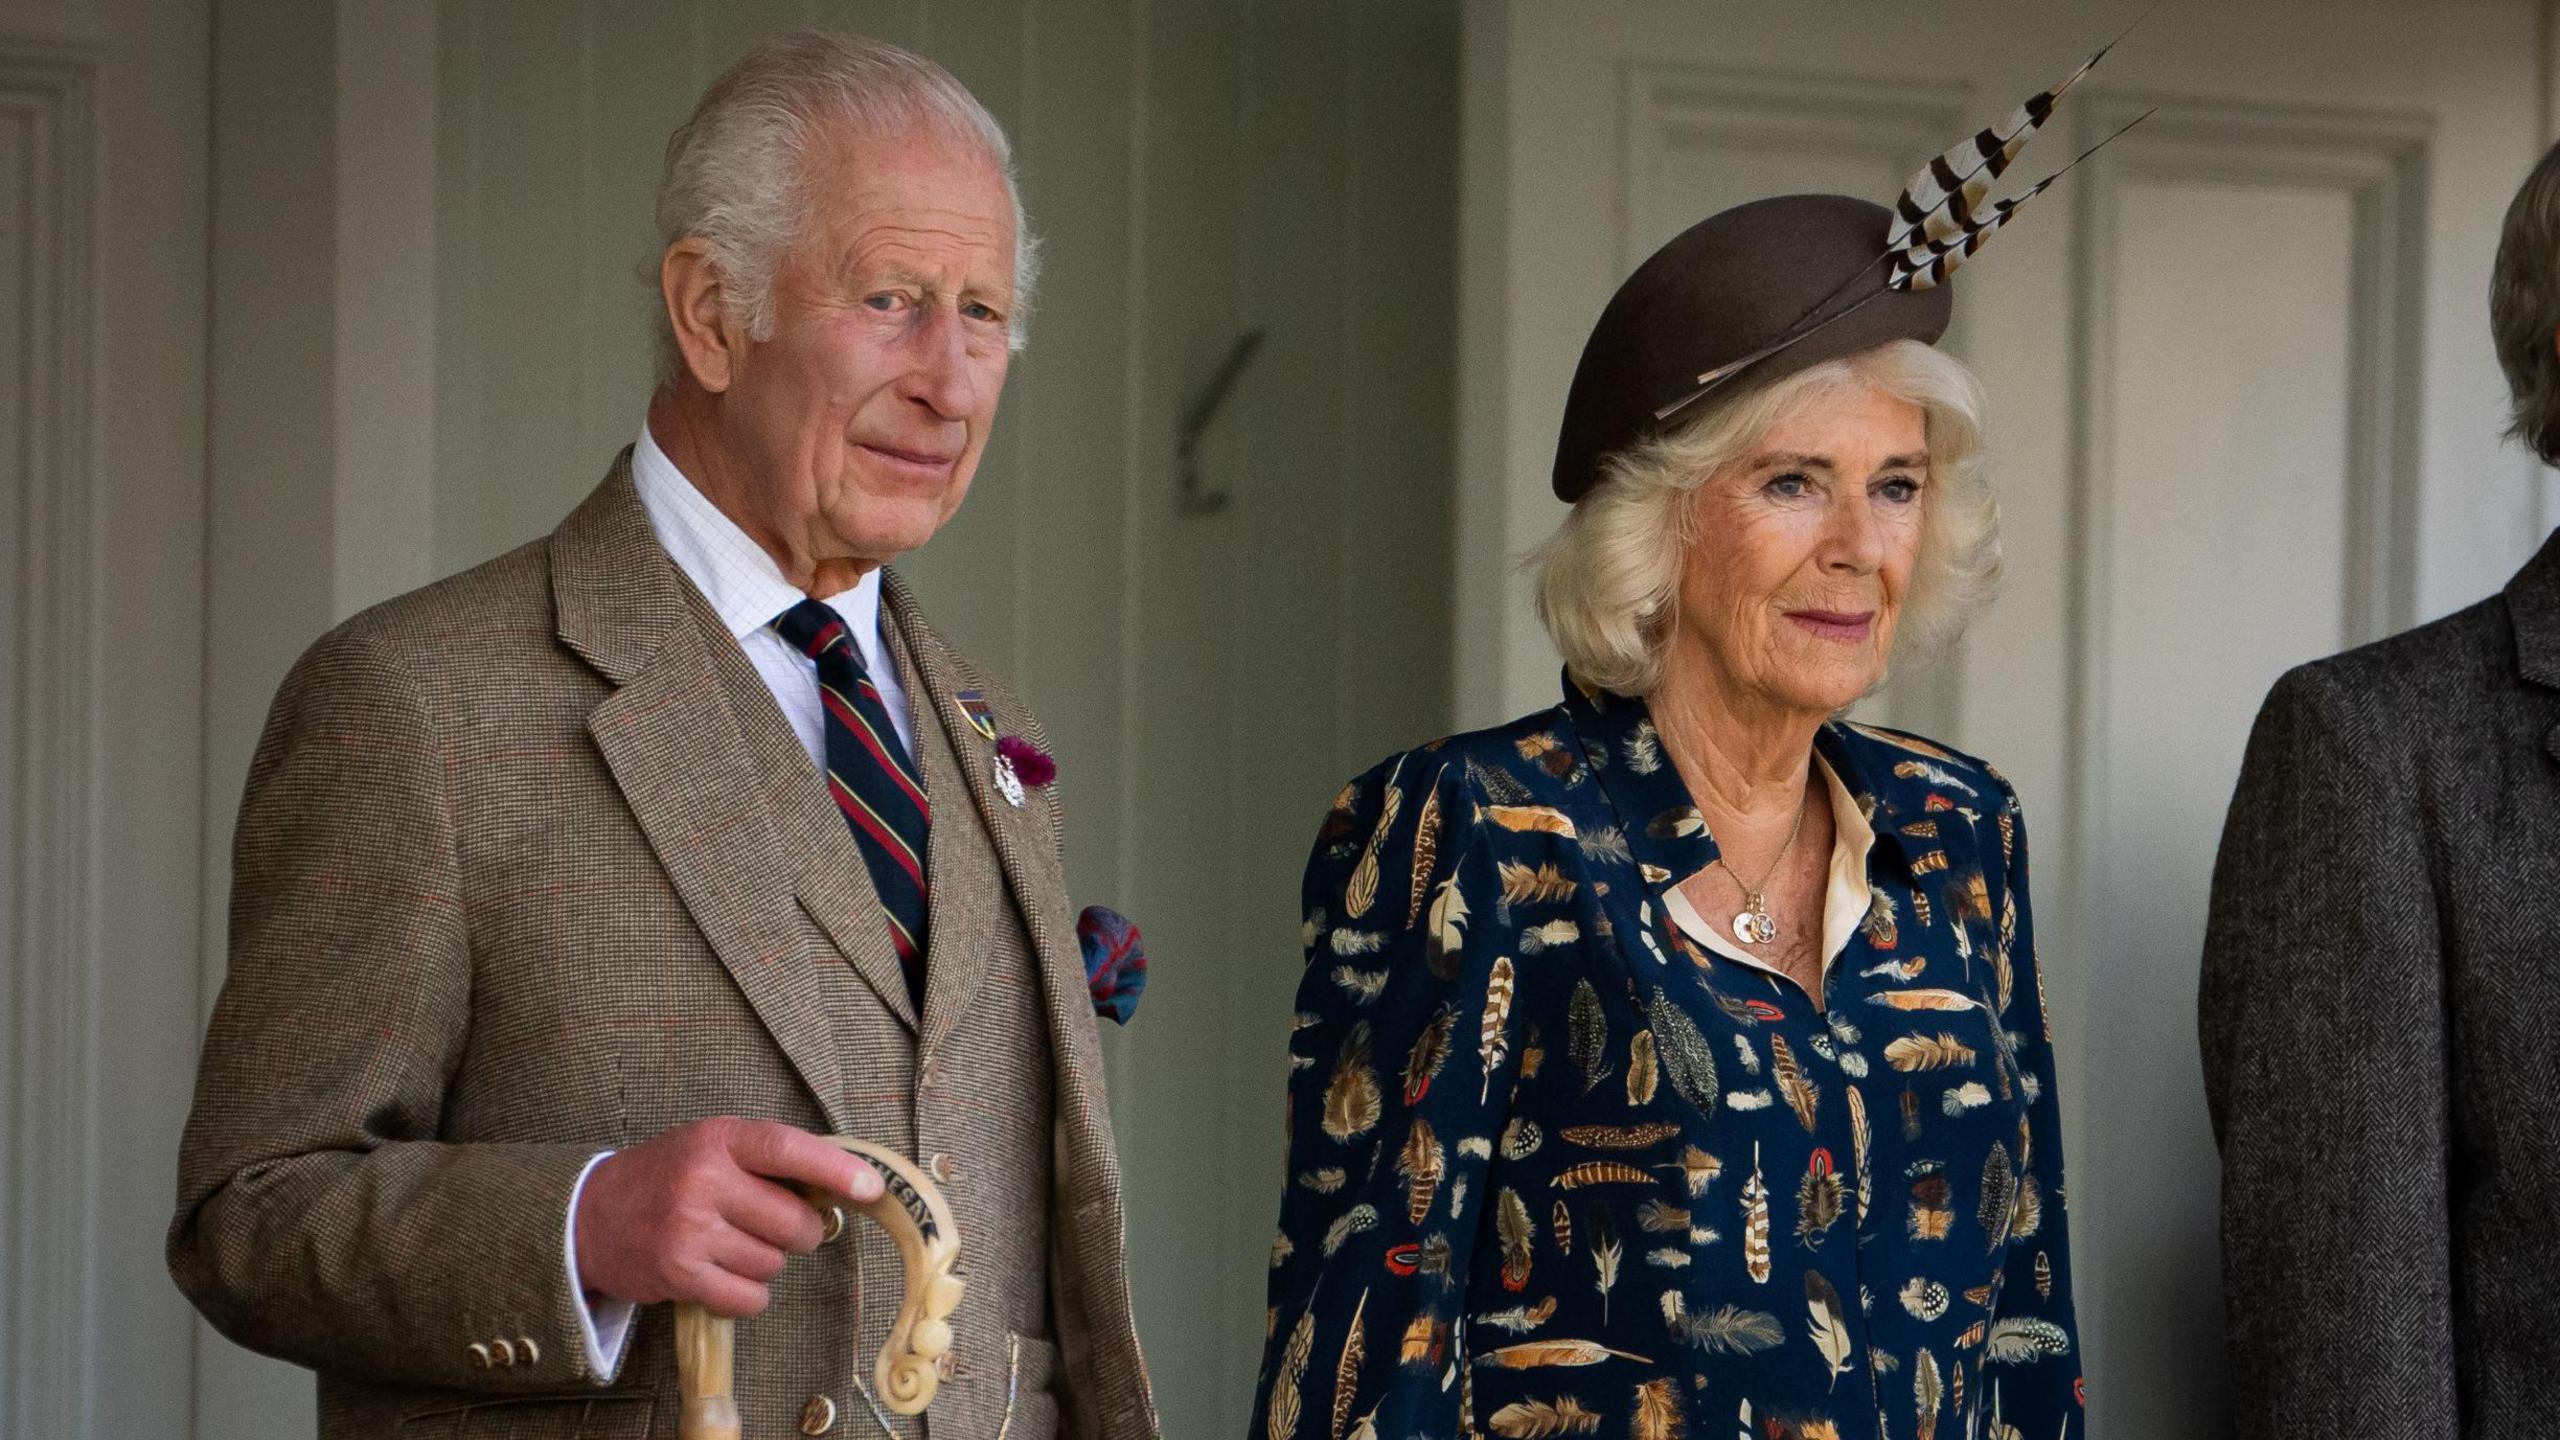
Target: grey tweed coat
(2381,1031)
(531,865)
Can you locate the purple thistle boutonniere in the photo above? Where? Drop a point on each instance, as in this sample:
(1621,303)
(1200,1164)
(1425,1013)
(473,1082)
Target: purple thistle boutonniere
(1034,766)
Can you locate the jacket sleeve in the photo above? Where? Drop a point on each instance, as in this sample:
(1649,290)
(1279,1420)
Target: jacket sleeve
(2032,1358)
(1402,1058)
(319,1218)
(2322,1017)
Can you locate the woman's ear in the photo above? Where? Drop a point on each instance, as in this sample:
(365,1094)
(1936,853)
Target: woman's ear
(697,311)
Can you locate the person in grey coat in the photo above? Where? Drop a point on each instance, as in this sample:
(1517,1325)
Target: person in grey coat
(2380,1007)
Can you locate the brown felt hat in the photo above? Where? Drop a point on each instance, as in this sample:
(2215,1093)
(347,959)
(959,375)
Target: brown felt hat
(1733,284)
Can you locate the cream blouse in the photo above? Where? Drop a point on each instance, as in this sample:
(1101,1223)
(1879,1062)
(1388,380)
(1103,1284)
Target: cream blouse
(1844,901)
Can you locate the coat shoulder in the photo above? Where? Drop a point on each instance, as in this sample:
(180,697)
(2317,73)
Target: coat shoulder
(1891,757)
(456,630)
(2410,690)
(1499,758)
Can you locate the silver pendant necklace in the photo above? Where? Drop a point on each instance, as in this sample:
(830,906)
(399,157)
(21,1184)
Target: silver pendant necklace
(1753,924)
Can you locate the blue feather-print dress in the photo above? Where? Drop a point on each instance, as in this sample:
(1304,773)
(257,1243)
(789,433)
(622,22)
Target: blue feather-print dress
(1554,1170)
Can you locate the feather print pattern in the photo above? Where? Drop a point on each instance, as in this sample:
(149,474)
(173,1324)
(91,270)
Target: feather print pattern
(1420,1164)
(1642,1073)
(1346,1371)
(1618,1137)
(1606,1253)
(1599,1172)
(1351,1100)
(1926,1052)
(1542,884)
(1802,1095)
(1586,1034)
(1422,1064)
(1512,1228)
(1448,932)
(1657,1414)
(1546,1354)
(1362,890)
(1860,1142)
(1755,1223)
(1827,1325)
(1426,853)
(1541,1420)
(1614,1272)
(1683,1054)
(1730,1330)
(1497,1022)
(1283,1409)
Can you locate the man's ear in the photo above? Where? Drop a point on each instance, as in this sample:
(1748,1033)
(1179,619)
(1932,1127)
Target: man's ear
(689,285)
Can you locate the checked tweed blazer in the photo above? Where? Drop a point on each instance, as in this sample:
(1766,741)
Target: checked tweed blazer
(2382,1035)
(530,865)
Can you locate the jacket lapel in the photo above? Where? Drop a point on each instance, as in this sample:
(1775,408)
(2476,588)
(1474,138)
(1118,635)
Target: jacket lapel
(672,739)
(956,953)
(2533,604)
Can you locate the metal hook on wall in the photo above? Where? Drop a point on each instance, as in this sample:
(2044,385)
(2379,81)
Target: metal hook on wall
(1197,498)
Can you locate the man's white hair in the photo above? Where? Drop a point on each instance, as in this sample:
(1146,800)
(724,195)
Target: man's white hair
(1609,578)
(736,173)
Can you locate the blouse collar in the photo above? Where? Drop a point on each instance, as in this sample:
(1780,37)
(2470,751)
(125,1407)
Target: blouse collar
(1665,832)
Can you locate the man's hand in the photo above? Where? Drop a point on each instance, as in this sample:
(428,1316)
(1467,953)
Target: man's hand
(700,1213)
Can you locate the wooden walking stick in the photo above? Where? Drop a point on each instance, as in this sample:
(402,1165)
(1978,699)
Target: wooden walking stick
(917,1217)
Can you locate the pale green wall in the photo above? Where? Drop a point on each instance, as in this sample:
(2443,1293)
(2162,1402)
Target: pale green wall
(1196,168)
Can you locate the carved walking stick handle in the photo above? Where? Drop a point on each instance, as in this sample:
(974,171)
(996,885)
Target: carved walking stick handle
(917,1217)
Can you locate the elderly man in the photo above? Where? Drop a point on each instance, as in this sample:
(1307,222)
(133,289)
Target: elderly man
(2379,1015)
(577,894)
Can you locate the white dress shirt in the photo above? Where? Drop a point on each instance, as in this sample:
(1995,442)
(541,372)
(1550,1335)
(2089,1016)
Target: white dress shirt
(747,590)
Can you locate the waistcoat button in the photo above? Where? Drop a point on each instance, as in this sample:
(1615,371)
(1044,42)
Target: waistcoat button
(818,1416)
(943,1169)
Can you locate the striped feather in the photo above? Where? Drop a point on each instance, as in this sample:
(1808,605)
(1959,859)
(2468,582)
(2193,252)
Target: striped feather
(1940,220)
(1496,1043)
(1282,1416)
(1346,1371)
(1543,1420)
(1426,852)
(1542,1354)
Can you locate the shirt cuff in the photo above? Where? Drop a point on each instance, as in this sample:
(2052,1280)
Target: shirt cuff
(604,1327)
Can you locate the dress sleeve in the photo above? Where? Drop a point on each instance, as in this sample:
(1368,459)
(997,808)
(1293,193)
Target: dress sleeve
(2322,1014)
(1402,1056)
(2031,1376)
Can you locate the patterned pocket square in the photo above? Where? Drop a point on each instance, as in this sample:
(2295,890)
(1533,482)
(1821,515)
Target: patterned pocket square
(1115,962)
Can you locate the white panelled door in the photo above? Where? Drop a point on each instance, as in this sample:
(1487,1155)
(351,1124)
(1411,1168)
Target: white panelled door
(2243,413)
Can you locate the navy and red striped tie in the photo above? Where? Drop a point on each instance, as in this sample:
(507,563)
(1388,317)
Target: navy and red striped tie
(870,775)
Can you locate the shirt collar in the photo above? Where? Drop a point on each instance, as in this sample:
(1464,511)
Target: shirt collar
(745,588)
(1665,832)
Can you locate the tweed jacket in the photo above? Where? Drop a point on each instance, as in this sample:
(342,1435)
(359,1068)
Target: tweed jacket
(531,865)
(2382,1034)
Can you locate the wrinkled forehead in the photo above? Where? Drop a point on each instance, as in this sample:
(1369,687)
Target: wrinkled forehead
(920,199)
(1848,416)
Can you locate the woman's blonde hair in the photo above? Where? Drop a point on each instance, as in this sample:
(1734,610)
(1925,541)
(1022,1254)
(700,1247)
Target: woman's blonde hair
(1609,579)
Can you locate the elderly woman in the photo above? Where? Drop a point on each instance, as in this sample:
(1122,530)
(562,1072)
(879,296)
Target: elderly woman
(1672,1062)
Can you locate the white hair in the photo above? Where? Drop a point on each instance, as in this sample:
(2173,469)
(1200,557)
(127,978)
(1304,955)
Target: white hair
(736,169)
(1608,580)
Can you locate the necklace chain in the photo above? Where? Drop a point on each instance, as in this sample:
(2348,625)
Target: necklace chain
(1755,925)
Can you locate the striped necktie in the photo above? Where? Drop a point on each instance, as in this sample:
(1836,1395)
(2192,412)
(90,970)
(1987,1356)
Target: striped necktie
(870,775)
